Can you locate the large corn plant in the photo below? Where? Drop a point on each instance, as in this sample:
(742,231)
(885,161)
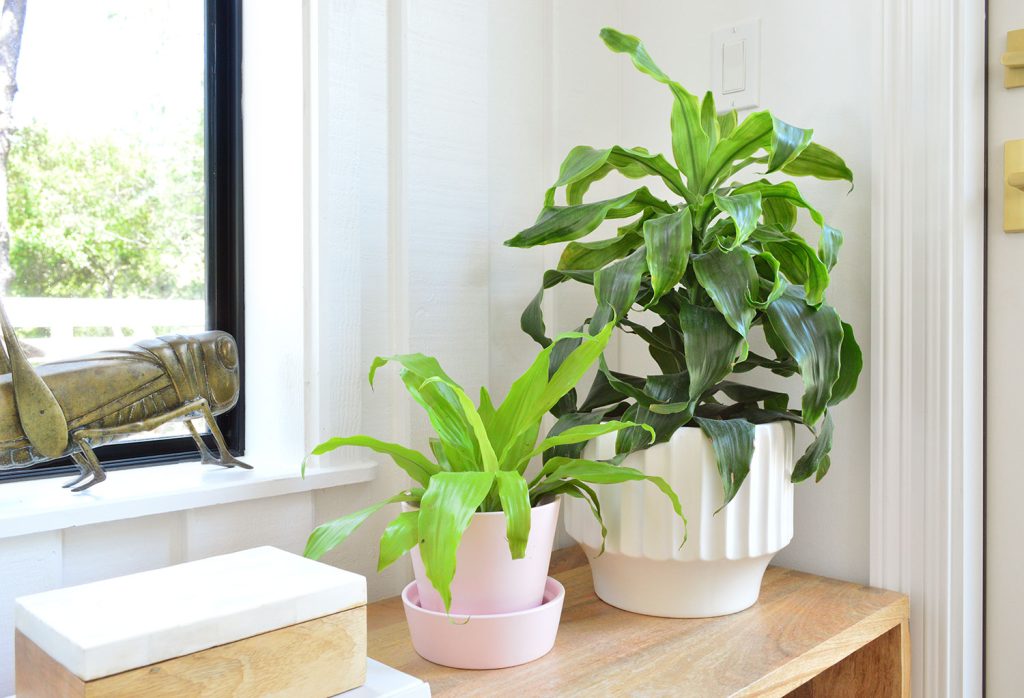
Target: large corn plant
(711,267)
(480,455)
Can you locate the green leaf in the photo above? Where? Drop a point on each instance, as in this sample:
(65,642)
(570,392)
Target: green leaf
(753,134)
(532,319)
(566,422)
(709,118)
(733,443)
(730,278)
(583,433)
(829,244)
(515,502)
(400,536)
(418,466)
(850,364)
(594,255)
(711,347)
(616,286)
(799,264)
(667,240)
(744,210)
(441,403)
(689,141)
(727,123)
(533,393)
(585,165)
(818,161)
(564,223)
(816,460)
(787,143)
(598,473)
(446,509)
(328,536)
(776,281)
(488,460)
(813,337)
(579,490)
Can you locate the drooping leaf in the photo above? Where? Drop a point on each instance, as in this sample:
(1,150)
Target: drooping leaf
(818,161)
(711,347)
(744,210)
(446,509)
(532,319)
(787,143)
(569,421)
(328,536)
(616,287)
(584,433)
(417,465)
(594,255)
(850,364)
(399,537)
(814,338)
(775,280)
(515,502)
(598,473)
(816,460)
(585,165)
(729,278)
(799,264)
(733,443)
(667,240)
(564,223)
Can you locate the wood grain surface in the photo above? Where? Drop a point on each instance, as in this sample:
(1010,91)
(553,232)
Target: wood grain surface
(320,657)
(801,626)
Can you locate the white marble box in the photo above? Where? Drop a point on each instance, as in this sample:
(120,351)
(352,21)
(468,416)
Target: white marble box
(240,616)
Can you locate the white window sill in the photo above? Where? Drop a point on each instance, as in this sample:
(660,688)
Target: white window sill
(33,506)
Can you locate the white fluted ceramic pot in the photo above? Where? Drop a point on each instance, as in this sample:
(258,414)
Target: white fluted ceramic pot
(719,569)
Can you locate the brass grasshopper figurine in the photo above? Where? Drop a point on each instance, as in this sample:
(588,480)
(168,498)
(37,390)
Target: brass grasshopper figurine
(66,408)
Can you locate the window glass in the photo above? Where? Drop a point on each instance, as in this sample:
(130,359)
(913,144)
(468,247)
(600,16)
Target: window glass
(105,174)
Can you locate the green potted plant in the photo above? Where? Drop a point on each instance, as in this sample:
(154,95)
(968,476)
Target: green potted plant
(480,528)
(723,285)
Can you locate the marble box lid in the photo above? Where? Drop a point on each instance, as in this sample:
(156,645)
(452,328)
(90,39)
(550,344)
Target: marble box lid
(115,625)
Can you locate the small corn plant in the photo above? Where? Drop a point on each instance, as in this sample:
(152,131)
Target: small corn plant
(480,456)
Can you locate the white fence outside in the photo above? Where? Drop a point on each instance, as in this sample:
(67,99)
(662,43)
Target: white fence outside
(128,319)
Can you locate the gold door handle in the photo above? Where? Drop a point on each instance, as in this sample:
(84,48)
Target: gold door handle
(1013,59)
(1013,190)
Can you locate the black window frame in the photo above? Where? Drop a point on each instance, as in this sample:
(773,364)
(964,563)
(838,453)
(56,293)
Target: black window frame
(224,250)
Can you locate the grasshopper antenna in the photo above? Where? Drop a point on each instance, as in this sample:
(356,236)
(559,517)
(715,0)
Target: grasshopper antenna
(41,417)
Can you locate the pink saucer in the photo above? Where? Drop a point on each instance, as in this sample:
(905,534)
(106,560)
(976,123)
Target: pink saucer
(484,641)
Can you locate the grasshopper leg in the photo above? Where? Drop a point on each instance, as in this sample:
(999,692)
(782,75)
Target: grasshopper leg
(83,467)
(91,463)
(226,459)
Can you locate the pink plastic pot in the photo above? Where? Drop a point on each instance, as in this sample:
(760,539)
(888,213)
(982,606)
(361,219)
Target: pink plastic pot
(484,641)
(487,579)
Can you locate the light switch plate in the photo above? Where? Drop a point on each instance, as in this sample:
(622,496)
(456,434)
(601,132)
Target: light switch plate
(736,66)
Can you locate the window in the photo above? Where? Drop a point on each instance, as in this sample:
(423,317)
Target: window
(124,185)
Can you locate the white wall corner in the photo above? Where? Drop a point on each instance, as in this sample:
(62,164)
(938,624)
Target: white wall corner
(927,333)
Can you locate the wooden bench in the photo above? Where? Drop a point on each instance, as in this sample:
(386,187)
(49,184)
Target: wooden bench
(806,636)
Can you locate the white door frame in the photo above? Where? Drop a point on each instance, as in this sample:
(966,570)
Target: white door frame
(927,330)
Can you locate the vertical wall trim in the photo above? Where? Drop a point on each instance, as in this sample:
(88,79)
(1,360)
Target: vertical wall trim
(398,267)
(927,314)
(310,214)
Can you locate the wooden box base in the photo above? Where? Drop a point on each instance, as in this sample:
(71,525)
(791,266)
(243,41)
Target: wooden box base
(318,658)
